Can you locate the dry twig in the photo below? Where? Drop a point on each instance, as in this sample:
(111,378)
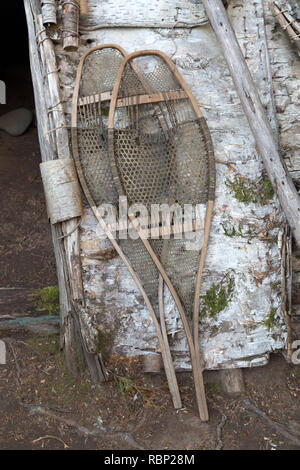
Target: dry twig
(50,437)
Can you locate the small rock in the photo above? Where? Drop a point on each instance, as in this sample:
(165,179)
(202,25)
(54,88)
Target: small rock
(16,122)
(2,352)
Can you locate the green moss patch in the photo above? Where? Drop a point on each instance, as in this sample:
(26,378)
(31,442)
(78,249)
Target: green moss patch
(46,300)
(217,298)
(270,321)
(247,191)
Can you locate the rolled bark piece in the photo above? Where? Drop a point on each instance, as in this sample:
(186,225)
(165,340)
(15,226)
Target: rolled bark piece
(287,22)
(256,115)
(48,11)
(83,9)
(70,25)
(62,190)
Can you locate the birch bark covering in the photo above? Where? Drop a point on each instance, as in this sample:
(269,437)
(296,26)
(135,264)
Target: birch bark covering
(62,190)
(157,13)
(245,256)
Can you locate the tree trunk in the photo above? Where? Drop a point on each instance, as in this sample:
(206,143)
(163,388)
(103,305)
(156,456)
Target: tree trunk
(54,143)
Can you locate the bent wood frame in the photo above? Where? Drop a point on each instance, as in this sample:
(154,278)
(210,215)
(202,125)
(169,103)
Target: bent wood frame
(132,100)
(160,328)
(193,339)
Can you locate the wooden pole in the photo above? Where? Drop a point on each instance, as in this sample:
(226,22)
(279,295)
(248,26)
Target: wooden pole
(73,336)
(58,122)
(53,137)
(47,147)
(253,108)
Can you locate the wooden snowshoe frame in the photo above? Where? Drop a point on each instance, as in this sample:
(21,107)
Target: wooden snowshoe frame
(88,183)
(130,97)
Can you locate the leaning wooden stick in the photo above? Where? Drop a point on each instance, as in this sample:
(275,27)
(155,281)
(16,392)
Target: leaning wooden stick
(287,22)
(254,110)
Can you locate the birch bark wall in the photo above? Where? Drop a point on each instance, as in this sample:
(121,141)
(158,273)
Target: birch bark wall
(246,253)
(286,72)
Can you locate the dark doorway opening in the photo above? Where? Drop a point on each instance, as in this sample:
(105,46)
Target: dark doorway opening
(15,69)
(26,253)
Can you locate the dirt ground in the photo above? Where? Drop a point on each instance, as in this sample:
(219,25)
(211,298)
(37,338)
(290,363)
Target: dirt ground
(26,254)
(43,407)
